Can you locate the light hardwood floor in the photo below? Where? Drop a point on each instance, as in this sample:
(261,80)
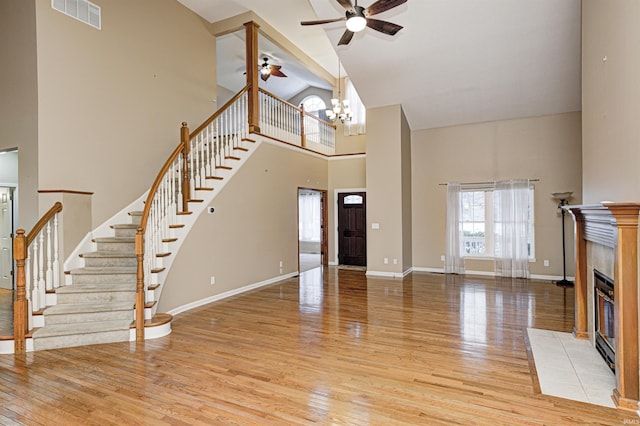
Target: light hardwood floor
(332,348)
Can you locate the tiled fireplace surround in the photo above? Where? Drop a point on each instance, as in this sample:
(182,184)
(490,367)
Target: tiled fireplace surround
(606,237)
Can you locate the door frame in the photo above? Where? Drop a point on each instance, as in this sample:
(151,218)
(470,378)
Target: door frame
(336,235)
(324,224)
(13,190)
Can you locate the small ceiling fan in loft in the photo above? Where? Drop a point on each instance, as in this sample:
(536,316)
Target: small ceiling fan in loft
(267,70)
(358,18)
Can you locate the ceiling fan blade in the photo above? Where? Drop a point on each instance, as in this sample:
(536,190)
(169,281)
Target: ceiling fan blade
(383,26)
(382,6)
(322,21)
(275,71)
(346,37)
(347,5)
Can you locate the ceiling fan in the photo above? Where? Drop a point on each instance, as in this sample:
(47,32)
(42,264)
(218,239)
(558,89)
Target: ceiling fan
(267,70)
(358,18)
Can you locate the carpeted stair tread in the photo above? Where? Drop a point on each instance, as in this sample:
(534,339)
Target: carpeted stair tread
(104,270)
(125,226)
(96,288)
(107,254)
(81,328)
(85,308)
(115,240)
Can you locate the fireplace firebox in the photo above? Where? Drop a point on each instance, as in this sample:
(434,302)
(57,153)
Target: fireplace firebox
(604,324)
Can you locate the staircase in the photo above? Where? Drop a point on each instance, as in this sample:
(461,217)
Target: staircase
(97,304)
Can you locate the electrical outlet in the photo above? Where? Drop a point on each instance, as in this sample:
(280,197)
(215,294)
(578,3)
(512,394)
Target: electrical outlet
(213,280)
(386,260)
(546,262)
(281,263)
(442,258)
(395,261)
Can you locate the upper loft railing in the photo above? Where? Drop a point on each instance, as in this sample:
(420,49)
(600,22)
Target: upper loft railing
(37,271)
(288,123)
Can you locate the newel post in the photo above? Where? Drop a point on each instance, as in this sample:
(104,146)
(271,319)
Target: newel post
(186,187)
(253,109)
(139,246)
(303,137)
(21,304)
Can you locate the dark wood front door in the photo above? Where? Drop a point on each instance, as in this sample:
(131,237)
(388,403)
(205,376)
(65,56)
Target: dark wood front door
(352,228)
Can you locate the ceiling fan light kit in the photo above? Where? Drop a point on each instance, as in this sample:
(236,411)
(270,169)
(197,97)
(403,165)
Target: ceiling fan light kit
(357,18)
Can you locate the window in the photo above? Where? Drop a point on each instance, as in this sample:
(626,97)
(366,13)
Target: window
(476,231)
(313,104)
(479,216)
(357,124)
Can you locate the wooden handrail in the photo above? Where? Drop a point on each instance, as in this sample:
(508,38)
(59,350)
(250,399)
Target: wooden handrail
(218,112)
(57,208)
(20,253)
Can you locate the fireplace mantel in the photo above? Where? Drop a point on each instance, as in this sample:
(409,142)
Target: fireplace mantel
(613,225)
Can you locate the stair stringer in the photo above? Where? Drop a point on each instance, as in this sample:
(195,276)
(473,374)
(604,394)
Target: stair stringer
(189,220)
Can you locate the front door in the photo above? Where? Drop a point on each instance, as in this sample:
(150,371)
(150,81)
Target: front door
(352,228)
(6,239)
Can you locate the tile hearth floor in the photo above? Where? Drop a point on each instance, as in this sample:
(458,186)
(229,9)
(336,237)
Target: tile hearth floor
(571,368)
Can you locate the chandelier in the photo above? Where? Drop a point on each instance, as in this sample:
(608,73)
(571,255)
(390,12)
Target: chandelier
(340,109)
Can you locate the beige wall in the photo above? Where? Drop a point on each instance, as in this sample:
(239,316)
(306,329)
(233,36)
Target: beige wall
(344,174)
(19,100)
(384,189)
(254,228)
(611,100)
(547,148)
(111,101)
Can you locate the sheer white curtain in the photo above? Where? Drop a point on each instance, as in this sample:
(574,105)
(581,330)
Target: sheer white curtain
(454,260)
(511,228)
(357,124)
(309,214)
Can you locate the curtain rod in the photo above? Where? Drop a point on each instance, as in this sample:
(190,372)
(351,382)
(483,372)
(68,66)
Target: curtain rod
(483,183)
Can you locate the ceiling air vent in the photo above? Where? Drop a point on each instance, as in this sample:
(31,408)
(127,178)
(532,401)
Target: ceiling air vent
(82,10)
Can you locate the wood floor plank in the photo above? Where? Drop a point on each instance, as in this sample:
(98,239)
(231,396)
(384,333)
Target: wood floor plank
(330,347)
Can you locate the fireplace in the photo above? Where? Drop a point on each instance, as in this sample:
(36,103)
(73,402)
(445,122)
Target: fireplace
(604,309)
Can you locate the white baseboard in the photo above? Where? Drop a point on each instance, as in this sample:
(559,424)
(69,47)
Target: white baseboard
(226,294)
(152,332)
(388,274)
(8,347)
(491,274)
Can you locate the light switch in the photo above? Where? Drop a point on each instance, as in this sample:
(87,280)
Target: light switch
(375,226)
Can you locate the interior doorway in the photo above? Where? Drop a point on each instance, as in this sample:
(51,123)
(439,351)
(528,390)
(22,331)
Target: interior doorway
(352,228)
(6,238)
(312,229)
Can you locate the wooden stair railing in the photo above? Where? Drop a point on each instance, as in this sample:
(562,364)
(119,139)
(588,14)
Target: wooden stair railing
(189,167)
(288,123)
(46,271)
(194,163)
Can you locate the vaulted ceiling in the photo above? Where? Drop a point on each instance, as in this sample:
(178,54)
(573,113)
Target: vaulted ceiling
(455,61)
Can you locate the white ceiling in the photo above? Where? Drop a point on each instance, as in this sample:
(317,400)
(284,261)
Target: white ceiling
(455,61)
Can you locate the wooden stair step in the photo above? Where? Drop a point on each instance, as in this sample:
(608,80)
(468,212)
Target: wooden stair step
(183,213)
(195,201)
(157,270)
(224,167)
(231,157)
(169,240)
(177,225)
(204,188)
(241,148)
(150,304)
(153,286)
(214,177)
(248,140)
(156,320)
(163,254)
